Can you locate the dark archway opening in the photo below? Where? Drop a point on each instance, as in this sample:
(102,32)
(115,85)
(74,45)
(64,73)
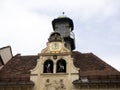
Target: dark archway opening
(61,66)
(48,66)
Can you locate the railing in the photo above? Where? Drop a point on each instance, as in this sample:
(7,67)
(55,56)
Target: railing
(72,35)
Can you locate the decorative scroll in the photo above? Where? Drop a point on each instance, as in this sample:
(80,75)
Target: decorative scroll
(55,37)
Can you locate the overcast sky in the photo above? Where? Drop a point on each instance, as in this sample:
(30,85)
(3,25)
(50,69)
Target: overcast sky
(25,25)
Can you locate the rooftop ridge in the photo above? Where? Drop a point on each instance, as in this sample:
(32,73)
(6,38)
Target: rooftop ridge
(5,47)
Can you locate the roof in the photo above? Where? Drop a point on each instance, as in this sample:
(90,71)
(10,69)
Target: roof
(63,19)
(93,70)
(18,68)
(90,65)
(5,47)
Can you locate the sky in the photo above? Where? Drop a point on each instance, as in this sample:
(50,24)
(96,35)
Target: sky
(25,25)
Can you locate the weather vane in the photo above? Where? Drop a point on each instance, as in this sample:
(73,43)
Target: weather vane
(63,13)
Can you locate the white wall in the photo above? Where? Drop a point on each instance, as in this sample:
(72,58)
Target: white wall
(6,54)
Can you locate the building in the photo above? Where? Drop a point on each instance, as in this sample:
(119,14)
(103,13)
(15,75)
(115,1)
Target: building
(5,55)
(57,67)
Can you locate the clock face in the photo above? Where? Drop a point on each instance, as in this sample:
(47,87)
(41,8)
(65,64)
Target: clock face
(55,46)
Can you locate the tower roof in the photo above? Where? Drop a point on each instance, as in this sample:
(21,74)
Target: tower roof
(63,19)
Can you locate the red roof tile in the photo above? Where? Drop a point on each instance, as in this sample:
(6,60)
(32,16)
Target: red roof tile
(18,68)
(90,64)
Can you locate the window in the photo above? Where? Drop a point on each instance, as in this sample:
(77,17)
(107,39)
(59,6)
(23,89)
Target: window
(61,66)
(48,66)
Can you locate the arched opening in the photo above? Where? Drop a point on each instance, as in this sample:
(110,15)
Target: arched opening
(48,66)
(61,66)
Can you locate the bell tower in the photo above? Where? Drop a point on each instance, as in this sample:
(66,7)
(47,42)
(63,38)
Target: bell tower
(64,25)
(55,65)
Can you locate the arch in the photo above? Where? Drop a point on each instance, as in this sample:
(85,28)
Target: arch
(61,66)
(48,66)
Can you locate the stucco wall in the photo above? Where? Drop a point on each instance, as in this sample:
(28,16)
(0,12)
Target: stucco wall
(6,54)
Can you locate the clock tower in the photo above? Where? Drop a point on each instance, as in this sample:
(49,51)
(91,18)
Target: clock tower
(64,26)
(54,66)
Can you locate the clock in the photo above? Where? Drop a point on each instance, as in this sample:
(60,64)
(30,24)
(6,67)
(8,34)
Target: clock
(55,46)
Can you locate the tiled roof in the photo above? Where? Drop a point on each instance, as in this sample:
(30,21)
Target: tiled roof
(90,65)
(18,68)
(93,70)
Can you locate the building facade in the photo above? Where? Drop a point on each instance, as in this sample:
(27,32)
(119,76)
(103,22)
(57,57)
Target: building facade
(58,66)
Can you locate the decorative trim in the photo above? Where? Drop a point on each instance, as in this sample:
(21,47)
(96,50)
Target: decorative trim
(52,74)
(34,75)
(74,73)
(52,54)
